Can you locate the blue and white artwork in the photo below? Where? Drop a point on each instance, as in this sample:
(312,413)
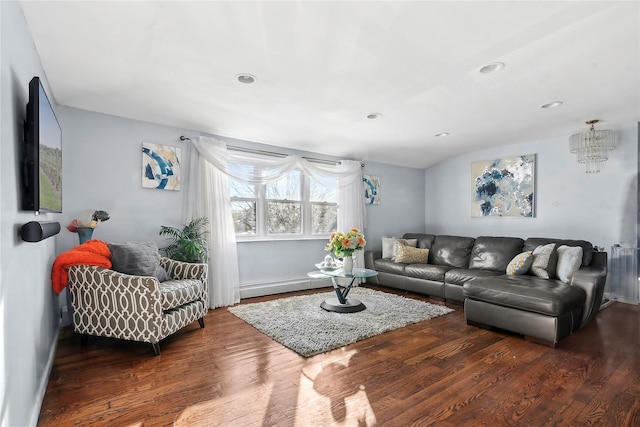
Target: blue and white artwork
(371,189)
(160,166)
(503,187)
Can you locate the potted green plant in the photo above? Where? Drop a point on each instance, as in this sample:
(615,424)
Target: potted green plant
(188,244)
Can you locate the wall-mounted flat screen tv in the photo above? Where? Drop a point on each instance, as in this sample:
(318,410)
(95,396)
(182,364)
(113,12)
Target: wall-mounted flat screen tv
(42,162)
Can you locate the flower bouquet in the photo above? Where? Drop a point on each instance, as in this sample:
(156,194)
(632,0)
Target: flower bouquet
(345,244)
(87,219)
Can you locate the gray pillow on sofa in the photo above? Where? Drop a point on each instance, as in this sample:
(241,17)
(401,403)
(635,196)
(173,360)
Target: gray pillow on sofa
(137,259)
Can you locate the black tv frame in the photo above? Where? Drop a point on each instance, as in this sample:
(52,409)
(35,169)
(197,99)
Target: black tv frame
(31,191)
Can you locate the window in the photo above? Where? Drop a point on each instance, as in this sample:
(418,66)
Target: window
(294,205)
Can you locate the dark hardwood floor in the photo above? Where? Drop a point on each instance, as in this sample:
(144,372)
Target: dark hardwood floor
(438,372)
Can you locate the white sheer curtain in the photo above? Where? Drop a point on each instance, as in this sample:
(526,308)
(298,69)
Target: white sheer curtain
(351,201)
(208,195)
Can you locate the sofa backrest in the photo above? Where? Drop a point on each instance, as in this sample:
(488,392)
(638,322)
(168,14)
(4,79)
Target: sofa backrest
(587,248)
(494,253)
(453,251)
(425,241)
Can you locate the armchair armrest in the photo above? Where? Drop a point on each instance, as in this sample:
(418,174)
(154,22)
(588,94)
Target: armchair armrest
(185,270)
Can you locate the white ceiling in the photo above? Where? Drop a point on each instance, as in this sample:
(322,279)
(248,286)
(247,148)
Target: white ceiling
(323,66)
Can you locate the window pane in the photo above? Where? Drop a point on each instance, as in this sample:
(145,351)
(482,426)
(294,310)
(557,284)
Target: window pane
(284,218)
(238,188)
(324,189)
(244,216)
(324,218)
(286,188)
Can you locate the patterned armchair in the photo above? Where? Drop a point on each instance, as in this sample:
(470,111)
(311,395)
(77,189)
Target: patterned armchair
(138,308)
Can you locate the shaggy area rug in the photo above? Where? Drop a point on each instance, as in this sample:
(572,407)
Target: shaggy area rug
(300,324)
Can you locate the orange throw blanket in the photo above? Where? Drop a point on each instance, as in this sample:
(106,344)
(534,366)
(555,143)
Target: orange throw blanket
(92,252)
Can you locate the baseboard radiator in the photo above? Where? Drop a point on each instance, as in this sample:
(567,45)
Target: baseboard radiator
(624,274)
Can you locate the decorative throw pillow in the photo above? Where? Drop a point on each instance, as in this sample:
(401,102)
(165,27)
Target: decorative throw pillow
(138,259)
(520,264)
(388,247)
(410,255)
(543,265)
(403,242)
(569,261)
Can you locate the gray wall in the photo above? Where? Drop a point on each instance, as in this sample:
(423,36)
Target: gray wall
(29,315)
(402,203)
(601,208)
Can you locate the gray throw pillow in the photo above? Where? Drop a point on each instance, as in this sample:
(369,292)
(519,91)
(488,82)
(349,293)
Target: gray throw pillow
(138,259)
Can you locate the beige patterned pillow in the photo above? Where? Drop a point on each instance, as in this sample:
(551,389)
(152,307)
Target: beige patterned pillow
(402,242)
(542,260)
(520,264)
(410,255)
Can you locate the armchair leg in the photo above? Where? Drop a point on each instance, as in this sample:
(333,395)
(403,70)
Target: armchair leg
(84,338)
(201,322)
(156,348)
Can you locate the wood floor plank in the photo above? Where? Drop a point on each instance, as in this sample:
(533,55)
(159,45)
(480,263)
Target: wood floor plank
(439,372)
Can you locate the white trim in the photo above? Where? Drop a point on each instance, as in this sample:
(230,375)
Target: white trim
(44,381)
(271,288)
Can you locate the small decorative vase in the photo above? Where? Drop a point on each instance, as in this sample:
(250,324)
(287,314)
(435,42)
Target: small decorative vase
(347,264)
(84,234)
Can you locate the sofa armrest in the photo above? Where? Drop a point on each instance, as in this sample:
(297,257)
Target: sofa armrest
(592,280)
(108,303)
(370,257)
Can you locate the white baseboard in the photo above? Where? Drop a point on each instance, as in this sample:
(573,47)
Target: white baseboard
(44,381)
(261,289)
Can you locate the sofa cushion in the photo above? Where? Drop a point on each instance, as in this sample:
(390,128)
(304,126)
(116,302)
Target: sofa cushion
(569,260)
(529,293)
(459,276)
(174,293)
(520,264)
(545,259)
(137,259)
(494,253)
(425,241)
(453,251)
(587,248)
(388,266)
(409,255)
(427,271)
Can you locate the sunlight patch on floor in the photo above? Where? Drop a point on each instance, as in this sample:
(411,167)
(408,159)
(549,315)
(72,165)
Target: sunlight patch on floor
(327,393)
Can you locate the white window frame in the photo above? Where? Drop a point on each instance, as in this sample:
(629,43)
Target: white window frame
(262,219)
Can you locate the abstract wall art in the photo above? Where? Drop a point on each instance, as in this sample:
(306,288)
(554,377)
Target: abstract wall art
(503,187)
(160,166)
(371,189)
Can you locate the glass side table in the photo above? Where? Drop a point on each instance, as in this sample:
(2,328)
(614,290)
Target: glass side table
(341,304)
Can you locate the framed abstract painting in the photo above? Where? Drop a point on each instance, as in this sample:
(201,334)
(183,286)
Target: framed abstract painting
(371,189)
(160,166)
(503,187)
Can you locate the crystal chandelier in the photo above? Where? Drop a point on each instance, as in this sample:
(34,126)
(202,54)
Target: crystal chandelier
(592,147)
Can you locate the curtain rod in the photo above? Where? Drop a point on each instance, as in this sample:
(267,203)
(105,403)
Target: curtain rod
(271,153)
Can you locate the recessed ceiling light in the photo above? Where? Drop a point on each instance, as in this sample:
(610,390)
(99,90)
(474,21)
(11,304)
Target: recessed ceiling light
(553,104)
(492,68)
(442,134)
(246,78)
(374,116)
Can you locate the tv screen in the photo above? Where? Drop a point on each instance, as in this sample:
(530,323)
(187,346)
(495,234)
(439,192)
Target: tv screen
(43,154)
